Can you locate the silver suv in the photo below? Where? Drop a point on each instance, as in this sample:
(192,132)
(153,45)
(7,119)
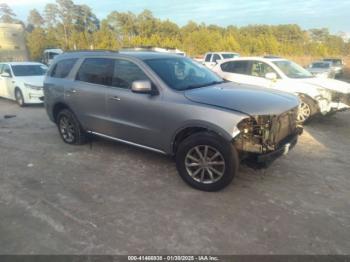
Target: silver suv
(172,105)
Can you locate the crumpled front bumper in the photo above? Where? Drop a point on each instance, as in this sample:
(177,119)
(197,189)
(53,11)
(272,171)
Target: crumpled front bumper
(283,148)
(340,102)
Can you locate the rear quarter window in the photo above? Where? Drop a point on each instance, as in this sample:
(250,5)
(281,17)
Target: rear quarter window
(62,68)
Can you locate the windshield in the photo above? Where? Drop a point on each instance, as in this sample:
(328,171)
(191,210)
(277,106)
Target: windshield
(292,70)
(336,62)
(320,65)
(228,56)
(29,70)
(182,73)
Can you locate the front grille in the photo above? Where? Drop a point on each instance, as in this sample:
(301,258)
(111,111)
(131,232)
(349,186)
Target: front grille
(283,126)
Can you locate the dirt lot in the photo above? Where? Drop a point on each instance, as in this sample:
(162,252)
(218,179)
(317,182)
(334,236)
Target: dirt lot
(112,198)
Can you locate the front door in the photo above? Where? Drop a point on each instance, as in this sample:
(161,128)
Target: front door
(133,116)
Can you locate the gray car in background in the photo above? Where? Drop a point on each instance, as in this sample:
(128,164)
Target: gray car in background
(337,64)
(171,105)
(322,69)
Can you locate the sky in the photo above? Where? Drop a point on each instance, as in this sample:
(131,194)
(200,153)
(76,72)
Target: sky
(333,15)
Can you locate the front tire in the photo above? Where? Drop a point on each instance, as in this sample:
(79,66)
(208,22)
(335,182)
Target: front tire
(206,161)
(306,110)
(19,98)
(70,129)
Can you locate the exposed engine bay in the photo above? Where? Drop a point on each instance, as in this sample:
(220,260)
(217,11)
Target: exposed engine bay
(267,133)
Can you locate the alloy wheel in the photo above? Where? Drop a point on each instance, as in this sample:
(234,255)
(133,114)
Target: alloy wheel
(67,129)
(304,112)
(205,164)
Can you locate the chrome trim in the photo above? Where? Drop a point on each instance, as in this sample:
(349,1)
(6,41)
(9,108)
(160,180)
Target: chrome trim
(127,142)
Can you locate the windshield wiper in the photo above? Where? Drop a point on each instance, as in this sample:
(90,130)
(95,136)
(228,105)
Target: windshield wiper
(204,85)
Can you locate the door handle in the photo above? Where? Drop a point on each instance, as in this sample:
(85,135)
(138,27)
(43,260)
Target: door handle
(117,98)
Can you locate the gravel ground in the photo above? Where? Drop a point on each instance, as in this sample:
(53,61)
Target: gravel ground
(110,198)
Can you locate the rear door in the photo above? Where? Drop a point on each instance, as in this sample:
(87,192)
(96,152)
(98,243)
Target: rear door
(87,95)
(237,71)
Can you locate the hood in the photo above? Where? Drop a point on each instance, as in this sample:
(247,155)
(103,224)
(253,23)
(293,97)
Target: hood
(31,80)
(327,83)
(247,99)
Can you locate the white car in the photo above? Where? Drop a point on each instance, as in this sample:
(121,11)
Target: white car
(22,82)
(213,58)
(317,95)
(50,54)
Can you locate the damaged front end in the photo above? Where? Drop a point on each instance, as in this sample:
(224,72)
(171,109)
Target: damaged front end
(332,101)
(267,137)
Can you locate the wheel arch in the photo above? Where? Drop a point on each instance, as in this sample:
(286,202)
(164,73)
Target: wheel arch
(59,106)
(186,131)
(315,103)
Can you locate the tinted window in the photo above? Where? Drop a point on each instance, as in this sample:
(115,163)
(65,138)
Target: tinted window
(1,66)
(29,70)
(183,73)
(207,58)
(260,69)
(126,72)
(228,56)
(216,57)
(321,65)
(237,67)
(62,68)
(97,71)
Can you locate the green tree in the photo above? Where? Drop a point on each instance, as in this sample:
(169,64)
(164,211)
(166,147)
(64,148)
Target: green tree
(6,14)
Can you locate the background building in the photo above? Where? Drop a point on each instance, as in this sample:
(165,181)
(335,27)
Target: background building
(12,43)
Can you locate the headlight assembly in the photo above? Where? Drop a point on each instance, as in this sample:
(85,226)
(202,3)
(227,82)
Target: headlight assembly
(325,94)
(33,87)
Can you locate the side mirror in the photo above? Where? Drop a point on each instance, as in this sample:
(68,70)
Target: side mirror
(271,76)
(142,87)
(5,74)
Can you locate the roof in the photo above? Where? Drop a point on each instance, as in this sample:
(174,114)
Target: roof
(222,53)
(22,63)
(56,50)
(258,58)
(141,55)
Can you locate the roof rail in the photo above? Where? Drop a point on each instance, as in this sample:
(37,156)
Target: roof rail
(91,50)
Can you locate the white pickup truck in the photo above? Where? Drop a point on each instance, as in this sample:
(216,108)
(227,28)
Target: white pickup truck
(211,59)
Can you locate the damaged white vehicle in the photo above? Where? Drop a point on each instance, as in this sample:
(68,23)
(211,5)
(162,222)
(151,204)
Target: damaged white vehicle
(317,95)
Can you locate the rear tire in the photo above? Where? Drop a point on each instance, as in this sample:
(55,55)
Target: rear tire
(19,98)
(206,161)
(70,129)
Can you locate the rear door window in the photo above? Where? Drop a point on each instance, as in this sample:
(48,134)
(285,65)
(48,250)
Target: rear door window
(207,58)
(62,68)
(237,67)
(96,71)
